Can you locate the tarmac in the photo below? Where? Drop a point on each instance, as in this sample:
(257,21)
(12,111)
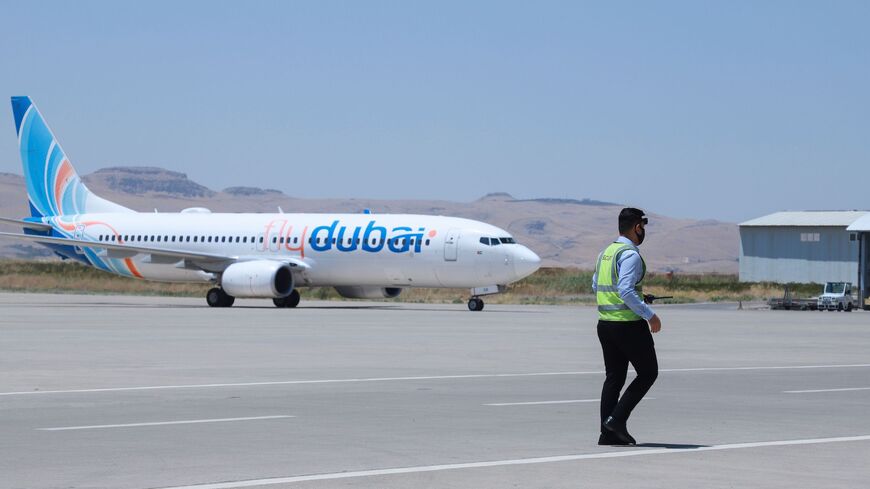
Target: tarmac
(154,392)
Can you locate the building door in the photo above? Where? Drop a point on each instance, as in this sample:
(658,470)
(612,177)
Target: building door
(864,268)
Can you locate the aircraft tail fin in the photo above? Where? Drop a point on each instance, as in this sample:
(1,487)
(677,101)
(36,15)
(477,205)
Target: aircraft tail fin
(53,186)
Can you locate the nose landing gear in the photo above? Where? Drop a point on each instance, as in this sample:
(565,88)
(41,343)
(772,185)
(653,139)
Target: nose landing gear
(476,303)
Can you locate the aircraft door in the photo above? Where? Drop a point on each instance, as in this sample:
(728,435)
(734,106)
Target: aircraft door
(451,245)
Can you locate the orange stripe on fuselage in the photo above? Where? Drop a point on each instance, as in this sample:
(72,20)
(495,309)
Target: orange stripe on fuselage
(132,267)
(63,225)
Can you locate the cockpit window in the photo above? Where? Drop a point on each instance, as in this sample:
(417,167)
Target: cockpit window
(497,241)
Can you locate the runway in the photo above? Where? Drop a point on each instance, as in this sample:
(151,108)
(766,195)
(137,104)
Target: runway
(155,392)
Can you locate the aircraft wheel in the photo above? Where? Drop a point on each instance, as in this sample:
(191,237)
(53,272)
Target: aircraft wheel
(216,297)
(213,297)
(475,304)
(291,300)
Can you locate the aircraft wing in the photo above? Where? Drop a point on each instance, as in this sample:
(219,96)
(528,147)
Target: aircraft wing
(204,261)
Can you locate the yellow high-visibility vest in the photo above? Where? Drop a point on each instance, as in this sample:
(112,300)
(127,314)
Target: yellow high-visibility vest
(611,307)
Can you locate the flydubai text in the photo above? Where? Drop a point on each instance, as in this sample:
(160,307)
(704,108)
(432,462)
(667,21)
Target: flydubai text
(370,238)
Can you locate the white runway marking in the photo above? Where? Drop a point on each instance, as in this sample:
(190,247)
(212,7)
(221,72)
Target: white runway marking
(569,401)
(535,403)
(162,423)
(521,461)
(846,389)
(404,379)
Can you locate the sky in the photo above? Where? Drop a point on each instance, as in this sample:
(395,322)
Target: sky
(724,110)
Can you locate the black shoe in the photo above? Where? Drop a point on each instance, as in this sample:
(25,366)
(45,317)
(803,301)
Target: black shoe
(618,429)
(608,438)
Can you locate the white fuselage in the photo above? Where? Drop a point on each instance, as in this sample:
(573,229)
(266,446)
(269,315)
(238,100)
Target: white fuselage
(394,250)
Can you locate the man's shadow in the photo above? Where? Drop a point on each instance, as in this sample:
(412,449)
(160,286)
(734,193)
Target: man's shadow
(672,446)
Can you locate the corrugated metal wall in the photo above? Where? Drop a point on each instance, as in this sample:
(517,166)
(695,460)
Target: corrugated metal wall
(792,254)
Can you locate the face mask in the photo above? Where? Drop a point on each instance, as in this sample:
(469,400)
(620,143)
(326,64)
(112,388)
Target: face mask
(641,234)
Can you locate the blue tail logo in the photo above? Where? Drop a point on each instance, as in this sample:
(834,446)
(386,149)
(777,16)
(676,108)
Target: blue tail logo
(53,186)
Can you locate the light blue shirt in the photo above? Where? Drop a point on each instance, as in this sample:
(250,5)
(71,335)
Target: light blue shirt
(629,269)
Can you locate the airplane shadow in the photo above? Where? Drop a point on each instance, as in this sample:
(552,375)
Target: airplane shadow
(459,309)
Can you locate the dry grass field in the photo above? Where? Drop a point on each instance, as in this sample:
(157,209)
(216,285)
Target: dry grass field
(547,286)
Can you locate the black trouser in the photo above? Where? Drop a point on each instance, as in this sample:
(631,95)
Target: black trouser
(625,342)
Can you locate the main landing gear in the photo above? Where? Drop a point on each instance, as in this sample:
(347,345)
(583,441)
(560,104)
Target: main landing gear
(291,300)
(475,304)
(216,297)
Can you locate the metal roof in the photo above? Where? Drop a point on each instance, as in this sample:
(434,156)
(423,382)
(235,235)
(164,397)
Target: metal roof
(862,224)
(809,218)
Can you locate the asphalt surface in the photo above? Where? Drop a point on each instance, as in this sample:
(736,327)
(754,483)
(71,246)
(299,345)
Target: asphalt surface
(129,392)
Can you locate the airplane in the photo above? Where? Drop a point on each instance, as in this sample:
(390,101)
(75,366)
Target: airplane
(256,255)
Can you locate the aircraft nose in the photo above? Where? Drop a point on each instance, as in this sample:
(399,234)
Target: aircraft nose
(526,262)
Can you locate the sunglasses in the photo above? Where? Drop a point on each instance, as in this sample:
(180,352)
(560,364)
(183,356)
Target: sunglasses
(645,221)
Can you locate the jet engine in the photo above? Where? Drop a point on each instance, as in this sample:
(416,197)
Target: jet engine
(363,292)
(258,278)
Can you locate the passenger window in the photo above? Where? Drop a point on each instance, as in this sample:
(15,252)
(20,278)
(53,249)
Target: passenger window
(427,242)
(245,239)
(261,239)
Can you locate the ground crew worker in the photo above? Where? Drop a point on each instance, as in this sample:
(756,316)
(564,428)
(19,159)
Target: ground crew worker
(624,326)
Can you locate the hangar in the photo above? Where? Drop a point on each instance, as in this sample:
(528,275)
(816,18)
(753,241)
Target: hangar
(807,247)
